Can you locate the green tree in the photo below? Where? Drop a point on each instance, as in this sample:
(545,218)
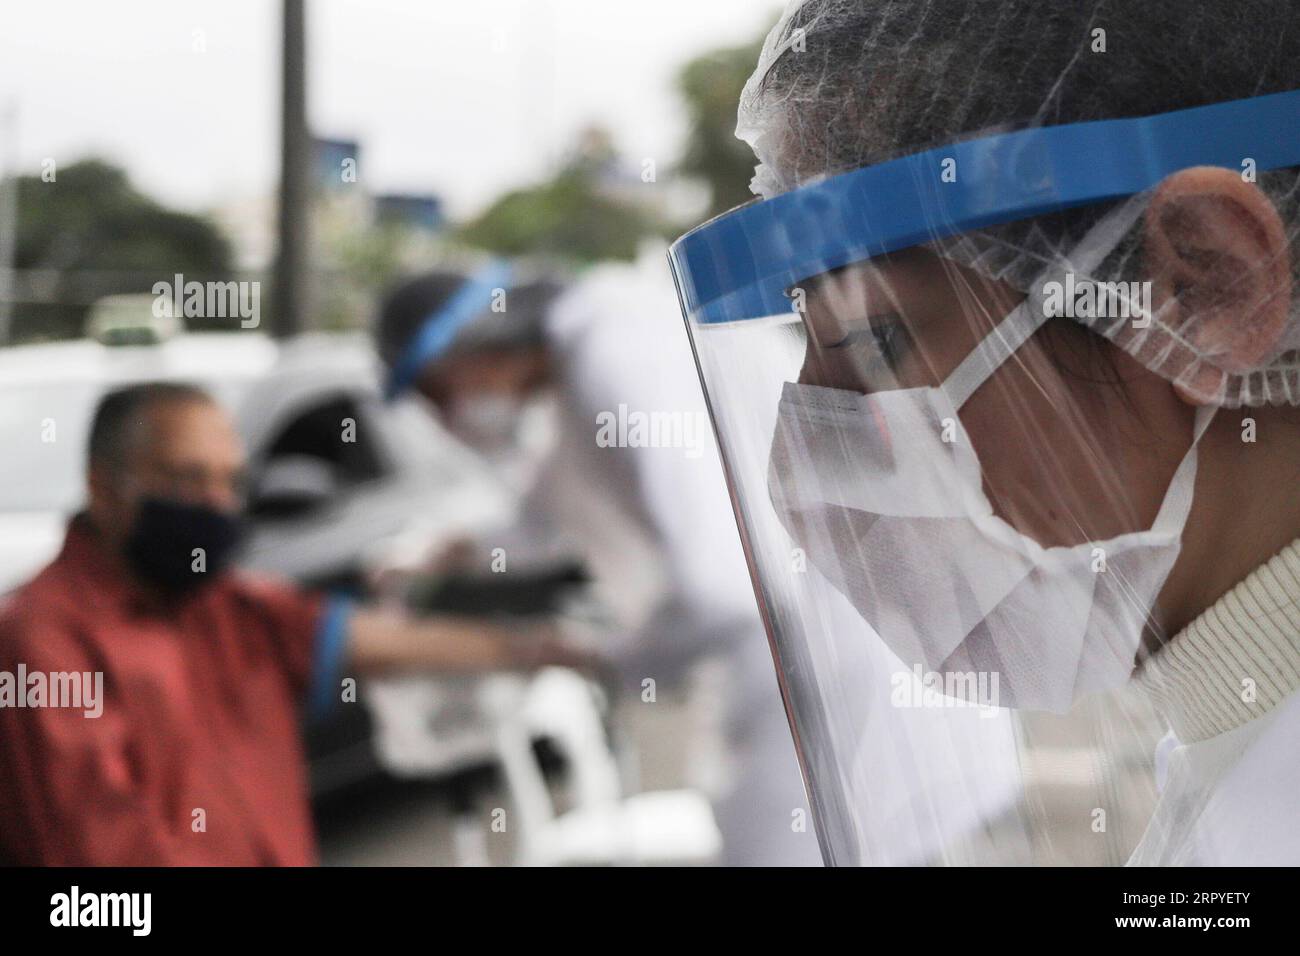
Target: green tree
(591,210)
(97,235)
(566,217)
(711,85)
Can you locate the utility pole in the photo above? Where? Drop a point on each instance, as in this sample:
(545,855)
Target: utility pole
(8,220)
(291,288)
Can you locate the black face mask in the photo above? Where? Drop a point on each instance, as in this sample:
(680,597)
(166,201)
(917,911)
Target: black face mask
(163,539)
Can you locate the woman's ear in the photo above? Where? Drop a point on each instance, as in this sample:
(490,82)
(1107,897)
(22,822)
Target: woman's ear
(1217,248)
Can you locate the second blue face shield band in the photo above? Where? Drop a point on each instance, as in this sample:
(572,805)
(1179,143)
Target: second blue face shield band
(437,332)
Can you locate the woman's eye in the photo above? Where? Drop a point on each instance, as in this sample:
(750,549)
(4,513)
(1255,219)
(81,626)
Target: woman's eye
(880,343)
(890,339)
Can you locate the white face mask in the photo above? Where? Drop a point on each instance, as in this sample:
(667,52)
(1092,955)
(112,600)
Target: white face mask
(512,435)
(489,423)
(897,519)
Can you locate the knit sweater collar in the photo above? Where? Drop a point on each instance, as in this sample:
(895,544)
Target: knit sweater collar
(1237,660)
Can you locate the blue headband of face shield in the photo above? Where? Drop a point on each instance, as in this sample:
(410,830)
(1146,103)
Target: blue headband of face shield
(439,330)
(739,265)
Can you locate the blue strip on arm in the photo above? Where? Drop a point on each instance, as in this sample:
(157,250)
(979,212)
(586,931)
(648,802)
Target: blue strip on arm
(330,648)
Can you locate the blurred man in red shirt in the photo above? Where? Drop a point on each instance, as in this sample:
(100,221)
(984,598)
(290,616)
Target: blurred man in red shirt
(195,756)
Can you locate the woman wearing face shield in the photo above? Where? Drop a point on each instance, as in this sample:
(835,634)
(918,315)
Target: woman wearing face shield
(1009,356)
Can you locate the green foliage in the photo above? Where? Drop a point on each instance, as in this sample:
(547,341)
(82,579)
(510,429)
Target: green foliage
(103,237)
(711,85)
(568,217)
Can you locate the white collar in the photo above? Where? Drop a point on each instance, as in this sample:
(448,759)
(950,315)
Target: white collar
(1238,660)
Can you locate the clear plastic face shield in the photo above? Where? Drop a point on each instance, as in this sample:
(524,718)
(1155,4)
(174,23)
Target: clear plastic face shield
(961,473)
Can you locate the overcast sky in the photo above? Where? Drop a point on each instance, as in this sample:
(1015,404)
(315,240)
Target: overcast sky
(464,99)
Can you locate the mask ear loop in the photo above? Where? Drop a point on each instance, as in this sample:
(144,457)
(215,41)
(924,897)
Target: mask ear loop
(994,349)
(1178,499)
(1028,317)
